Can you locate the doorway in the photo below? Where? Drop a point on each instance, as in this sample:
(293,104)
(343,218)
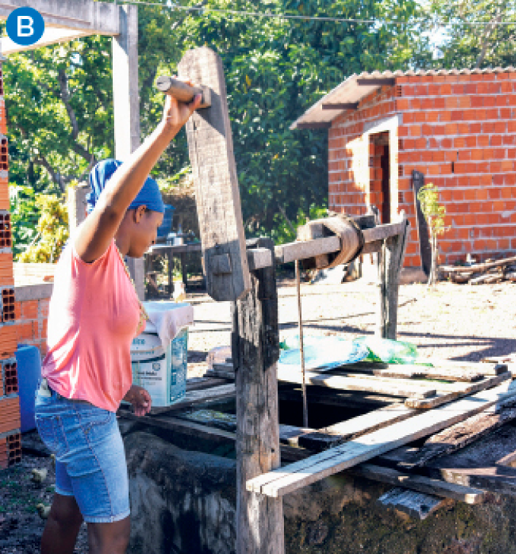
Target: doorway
(379,163)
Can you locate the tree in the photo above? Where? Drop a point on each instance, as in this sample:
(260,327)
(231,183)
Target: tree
(59,99)
(434,213)
(476,34)
(276,69)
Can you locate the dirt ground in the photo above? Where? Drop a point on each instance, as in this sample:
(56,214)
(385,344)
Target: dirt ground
(459,322)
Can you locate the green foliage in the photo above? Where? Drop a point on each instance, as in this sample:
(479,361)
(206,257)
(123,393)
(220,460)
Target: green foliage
(60,104)
(24,218)
(284,230)
(275,69)
(434,212)
(52,231)
(468,45)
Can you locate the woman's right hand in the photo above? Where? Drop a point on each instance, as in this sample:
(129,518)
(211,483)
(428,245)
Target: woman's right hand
(175,113)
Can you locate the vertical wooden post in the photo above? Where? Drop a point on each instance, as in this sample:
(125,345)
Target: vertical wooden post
(255,346)
(210,143)
(127,106)
(390,263)
(425,248)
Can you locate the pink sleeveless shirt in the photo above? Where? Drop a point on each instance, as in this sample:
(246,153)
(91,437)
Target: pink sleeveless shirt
(93,317)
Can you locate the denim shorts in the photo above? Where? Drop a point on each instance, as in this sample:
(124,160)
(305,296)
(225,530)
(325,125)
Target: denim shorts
(90,456)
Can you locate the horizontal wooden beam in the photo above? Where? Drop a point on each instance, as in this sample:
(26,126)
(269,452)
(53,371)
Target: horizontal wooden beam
(376,82)
(340,106)
(314,125)
(302,250)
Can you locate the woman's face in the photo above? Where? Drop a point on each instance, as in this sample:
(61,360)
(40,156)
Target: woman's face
(143,230)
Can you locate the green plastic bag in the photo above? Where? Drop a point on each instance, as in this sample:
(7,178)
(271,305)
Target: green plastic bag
(389,351)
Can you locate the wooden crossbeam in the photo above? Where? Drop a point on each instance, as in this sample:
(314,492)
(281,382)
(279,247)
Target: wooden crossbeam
(314,125)
(340,106)
(302,250)
(378,82)
(295,476)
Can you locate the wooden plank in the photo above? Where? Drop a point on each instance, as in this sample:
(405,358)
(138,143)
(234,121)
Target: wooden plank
(376,82)
(302,250)
(379,376)
(197,383)
(421,371)
(313,469)
(478,464)
(390,262)
(214,172)
(395,387)
(340,106)
(477,267)
(196,397)
(454,365)
(419,483)
(382,232)
(417,505)
(446,397)
(460,435)
(255,352)
(333,435)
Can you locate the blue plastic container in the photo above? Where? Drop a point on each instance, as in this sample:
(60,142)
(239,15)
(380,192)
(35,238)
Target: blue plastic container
(29,373)
(165,228)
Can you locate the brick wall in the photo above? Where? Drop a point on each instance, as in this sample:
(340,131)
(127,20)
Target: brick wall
(10,444)
(31,309)
(460,132)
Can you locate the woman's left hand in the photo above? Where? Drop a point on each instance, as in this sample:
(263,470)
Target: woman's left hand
(140,399)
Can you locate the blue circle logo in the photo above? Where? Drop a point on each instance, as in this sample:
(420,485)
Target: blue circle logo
(25,26)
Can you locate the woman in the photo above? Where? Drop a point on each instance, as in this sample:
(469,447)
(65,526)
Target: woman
(94,315)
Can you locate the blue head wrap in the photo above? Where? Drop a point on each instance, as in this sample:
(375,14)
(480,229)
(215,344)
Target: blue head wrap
(149,194)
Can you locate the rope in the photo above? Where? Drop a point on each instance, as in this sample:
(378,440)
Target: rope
(341,225)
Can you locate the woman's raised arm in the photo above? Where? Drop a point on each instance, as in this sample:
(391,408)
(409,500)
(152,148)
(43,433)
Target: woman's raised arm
(96,233)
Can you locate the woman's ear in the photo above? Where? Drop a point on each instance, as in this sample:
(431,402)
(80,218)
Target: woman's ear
(139,212)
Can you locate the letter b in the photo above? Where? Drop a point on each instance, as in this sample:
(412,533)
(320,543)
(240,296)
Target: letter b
(25,26)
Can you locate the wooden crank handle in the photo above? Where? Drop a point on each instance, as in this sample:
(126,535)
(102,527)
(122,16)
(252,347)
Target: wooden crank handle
(182,91)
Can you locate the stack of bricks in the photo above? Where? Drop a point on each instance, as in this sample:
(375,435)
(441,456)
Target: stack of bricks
(10,442)
(458,128)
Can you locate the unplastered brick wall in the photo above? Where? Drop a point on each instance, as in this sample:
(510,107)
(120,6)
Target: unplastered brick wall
(10,443)
(459,130)
(31,311)
(349,151)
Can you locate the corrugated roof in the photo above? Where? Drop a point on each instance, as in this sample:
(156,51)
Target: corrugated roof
(351,91)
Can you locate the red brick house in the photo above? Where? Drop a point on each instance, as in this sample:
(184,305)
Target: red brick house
(458,128)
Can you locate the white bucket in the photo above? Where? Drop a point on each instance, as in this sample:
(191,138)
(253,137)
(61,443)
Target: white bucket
(158,369)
